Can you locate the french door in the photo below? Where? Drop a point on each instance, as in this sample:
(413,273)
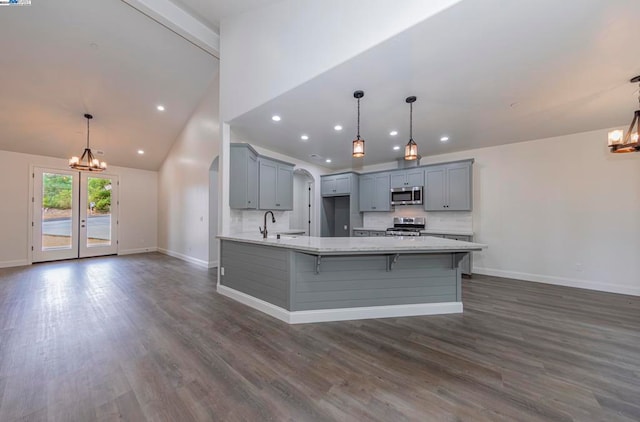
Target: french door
(74,214)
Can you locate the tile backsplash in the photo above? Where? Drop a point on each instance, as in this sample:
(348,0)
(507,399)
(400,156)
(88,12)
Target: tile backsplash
(441,220)
(243,221)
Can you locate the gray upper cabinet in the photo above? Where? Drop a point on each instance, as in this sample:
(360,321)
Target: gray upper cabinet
(407,178)
(243,184)
(448,187)
(336,184)
(374,192)
(276,184)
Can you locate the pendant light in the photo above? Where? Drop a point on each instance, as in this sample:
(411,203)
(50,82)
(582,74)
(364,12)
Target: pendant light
(411,149)
(358,144)
(620,142)
(87,162)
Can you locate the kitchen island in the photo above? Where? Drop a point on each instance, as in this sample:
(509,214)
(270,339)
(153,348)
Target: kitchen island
(300,279)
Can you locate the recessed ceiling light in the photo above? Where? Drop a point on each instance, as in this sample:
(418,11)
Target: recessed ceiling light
(275,118)
(328,160)
(337,127)
(140,152)
(397,147)
(393,133)
(444,139)
(304,137)
(160,107)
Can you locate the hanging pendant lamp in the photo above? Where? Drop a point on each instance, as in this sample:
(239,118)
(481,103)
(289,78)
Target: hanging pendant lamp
(358,144)
(619,142)
(87,162)
(411,149)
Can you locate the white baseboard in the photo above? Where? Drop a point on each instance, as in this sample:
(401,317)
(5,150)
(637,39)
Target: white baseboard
(341,314)
(255,303)
(560,281)
(135,251)
(16,263)
(213,264)
(196,261)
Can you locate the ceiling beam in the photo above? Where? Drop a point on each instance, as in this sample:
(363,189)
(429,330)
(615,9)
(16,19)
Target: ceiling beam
(172,17)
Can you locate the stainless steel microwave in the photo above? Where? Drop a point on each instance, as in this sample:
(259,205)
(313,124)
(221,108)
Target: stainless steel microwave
(406,196)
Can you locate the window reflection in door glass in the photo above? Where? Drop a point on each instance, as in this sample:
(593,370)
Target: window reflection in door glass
(98,211)
(56,211)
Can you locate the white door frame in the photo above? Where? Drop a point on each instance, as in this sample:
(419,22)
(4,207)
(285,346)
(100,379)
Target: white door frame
(34,227)
(54,254)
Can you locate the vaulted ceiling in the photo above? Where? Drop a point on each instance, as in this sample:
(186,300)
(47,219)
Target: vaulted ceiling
(486,72)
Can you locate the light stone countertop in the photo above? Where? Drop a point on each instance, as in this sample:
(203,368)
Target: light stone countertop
(358,245)
(452,232)
(444,231)
(370,229)
(292,231)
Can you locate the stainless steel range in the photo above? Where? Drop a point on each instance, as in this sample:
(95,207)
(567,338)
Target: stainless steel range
(407,226)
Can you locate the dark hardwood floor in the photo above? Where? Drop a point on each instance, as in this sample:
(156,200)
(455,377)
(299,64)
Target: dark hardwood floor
(147,338)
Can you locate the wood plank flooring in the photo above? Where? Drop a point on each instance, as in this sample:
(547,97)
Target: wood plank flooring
(147,338)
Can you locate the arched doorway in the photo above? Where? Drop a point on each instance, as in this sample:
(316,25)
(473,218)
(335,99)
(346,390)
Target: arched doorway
(302,216)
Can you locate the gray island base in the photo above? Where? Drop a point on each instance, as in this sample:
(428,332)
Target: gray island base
(312,279)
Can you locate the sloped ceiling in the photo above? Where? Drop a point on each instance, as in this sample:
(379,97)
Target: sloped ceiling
(486,72)
(211,12)
(61,59)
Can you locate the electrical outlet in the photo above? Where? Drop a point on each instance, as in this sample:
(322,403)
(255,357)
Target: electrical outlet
(579,267)
(221,270)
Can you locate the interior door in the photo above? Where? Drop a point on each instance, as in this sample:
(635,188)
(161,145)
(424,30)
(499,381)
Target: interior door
(55,214)
(98,215)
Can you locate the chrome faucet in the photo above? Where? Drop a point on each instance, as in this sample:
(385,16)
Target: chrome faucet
(273,220)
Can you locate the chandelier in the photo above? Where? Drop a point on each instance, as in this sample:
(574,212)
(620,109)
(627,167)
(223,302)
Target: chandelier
(619,141)
(87,162)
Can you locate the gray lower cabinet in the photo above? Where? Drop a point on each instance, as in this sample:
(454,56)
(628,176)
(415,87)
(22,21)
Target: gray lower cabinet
(448,187)
(336,184)
(375,192)
(243,183)
(407,178)
(369,233)
(276,184)
(467,262)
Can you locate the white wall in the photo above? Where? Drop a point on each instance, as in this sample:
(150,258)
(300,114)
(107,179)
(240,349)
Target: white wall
(561,210)
(270,50)
(183,216)
(138,213)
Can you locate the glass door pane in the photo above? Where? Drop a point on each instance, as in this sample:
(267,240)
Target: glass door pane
(55,200)
(57,195)
(98,212)
(98,209)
